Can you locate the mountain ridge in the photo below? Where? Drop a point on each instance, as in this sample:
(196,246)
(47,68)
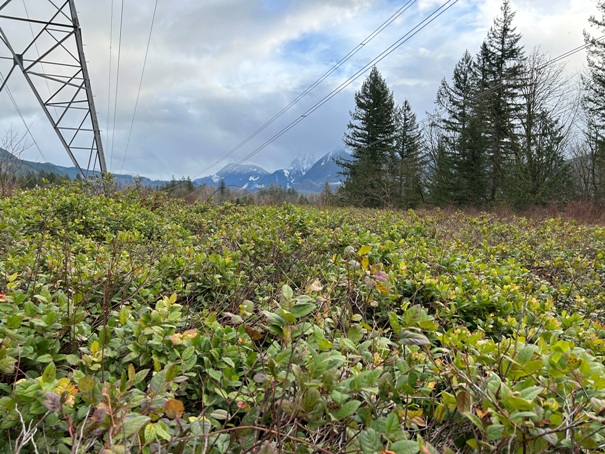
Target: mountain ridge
(305,173)
(301,175)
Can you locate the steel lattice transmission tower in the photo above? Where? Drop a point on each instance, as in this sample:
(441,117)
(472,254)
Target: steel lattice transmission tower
(44,42)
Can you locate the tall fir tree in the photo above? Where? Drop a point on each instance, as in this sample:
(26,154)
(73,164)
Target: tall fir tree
(500,70)
(462,160)
(408,159)
(594,103)
(371,138)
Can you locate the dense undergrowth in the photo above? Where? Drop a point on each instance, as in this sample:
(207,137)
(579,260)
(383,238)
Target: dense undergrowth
(136,324)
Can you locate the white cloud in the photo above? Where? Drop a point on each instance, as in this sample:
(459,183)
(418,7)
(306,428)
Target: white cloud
(218,69)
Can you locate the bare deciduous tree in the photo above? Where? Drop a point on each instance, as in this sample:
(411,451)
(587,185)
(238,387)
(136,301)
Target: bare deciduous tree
(12,147)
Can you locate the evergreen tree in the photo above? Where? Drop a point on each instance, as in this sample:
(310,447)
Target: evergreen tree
(440,165)
(594,104)
(499,71)
(326,197)
(407,159)
(462,153)
(371,136)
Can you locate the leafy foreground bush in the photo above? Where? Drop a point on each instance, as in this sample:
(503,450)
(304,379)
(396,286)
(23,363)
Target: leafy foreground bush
(137,324)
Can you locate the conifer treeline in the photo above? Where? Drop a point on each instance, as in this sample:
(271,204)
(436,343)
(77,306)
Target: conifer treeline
(504,131)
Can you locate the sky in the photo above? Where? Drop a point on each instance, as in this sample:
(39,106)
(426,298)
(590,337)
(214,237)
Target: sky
(218,70)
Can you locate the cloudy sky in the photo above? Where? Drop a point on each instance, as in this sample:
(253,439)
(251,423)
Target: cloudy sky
(218,70)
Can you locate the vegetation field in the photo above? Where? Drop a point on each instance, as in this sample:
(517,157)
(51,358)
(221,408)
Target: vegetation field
(133,323)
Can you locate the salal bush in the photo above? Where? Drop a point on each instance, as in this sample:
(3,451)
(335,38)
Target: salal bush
(134,323)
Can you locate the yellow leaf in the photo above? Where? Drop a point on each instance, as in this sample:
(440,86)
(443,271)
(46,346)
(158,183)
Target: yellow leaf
(364,250)
(365,263)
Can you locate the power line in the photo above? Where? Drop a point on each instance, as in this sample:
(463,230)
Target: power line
(136,104)
(342,61)
(413,32)
(27,128)
(109,75)
(115,108)
(31,29)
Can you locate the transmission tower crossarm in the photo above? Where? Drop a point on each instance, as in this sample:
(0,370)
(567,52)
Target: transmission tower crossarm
(91,101)
(69,105)
(19,63)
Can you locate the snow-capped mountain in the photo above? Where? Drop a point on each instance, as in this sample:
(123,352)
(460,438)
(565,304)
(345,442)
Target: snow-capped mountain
(240,175)
(304,174)
(302,163)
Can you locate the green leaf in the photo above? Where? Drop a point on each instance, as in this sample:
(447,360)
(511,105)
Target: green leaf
(300,310)
(392,423)
(7,365)
(414,315)
(534,366)
(495,431)
(172,371)
(522,414)
(86,384)
(123,315)
(310,400)
(518,403)
(369,442)
(140,376)
(72,360)
(44,358)
(411,338)
(158,382)
(394,322)
(219,414)
(132,424)
(150,433)
(215,374)
(246,307)
(287,292)
(428,325)
(160,430)
(287,316)
(14,321)
(526,354)
(324,344)
(475,419)
(355,333)
(50,373)
(347,344)
(532,392)
(405,447)
(347,409)
(187,353)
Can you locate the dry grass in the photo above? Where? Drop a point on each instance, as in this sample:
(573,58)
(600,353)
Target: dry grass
(590,213)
